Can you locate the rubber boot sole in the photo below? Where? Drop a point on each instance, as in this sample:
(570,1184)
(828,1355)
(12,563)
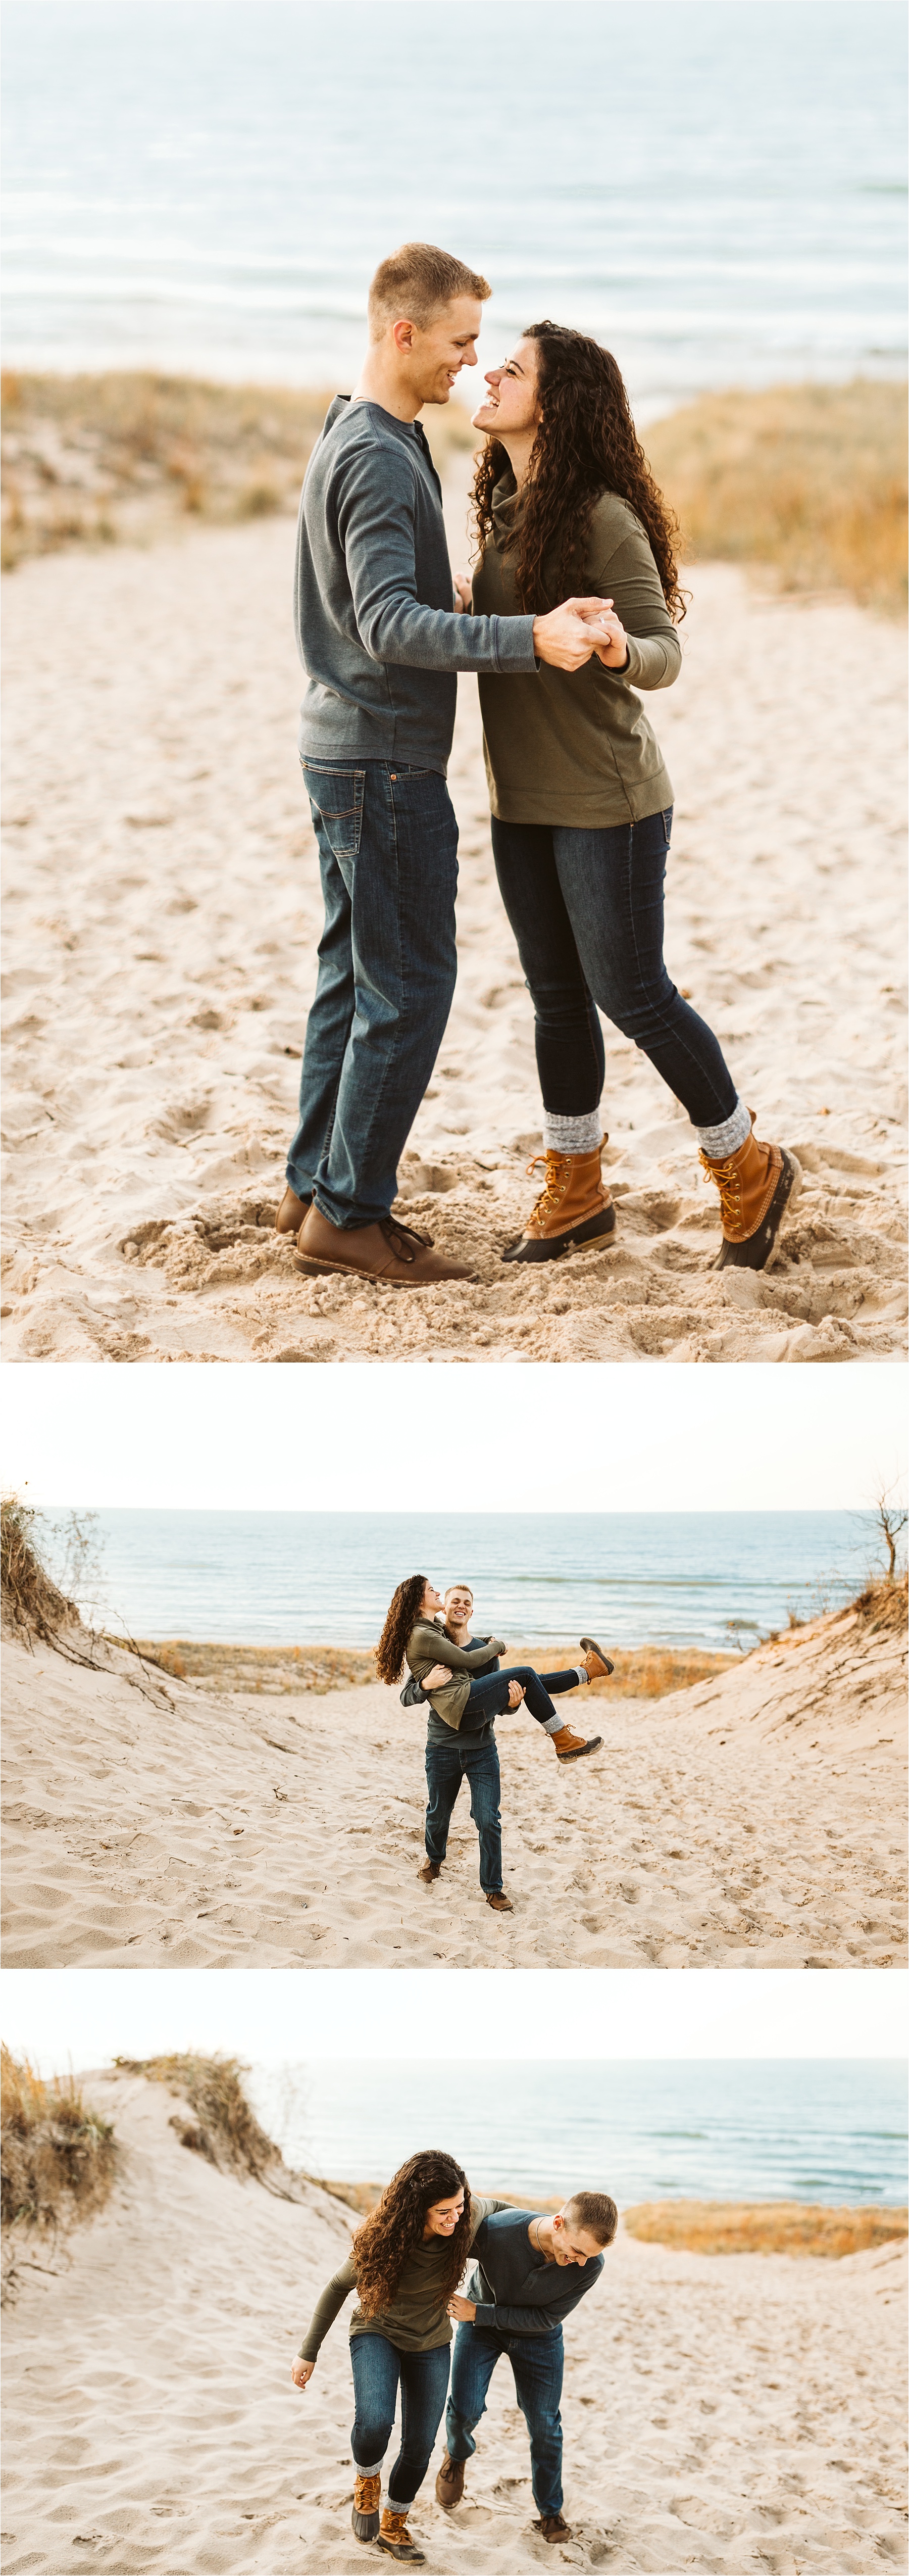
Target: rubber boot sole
(757,1251)
(592,1746)
(365,2526)
(405,2557)
(551,1247)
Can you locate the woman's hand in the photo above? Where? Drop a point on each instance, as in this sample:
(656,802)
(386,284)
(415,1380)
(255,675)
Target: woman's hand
(438,1677)
(463,591)
(614,653)
(462,2311)
(515,1694)
(301,2370)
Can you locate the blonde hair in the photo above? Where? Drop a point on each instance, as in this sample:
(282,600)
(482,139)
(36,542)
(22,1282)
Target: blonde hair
(415,282)
(457,1587)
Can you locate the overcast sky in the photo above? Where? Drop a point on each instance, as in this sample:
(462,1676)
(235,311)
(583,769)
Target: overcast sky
(84,2017)
(394,1438)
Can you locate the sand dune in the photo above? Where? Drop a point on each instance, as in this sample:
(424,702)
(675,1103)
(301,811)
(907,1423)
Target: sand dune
(730,2414)
(749,1821)
(161,957)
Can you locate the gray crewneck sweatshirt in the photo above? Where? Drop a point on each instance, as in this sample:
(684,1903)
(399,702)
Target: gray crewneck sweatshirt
(376,629)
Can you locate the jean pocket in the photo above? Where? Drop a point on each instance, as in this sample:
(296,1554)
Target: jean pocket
(336,797)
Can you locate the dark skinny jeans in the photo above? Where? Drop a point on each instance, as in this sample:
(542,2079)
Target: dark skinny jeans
(586,909)
(379,2367)
(489,1696)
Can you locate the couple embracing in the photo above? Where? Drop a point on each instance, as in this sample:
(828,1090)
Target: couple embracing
(406,2262)
(460,1677)
(573,607)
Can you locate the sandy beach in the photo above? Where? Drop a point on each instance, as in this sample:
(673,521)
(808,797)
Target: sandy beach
(162,928)
(751,1820)
(722,2413)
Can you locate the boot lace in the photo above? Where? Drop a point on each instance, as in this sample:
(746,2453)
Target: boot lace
(728,1183)
(404,1239)
(556,1169)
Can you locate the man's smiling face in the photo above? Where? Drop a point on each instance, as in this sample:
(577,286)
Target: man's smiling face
(458,1605)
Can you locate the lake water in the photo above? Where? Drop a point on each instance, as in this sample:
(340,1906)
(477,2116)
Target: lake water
(714,1579)
(781,2129)
(717,191)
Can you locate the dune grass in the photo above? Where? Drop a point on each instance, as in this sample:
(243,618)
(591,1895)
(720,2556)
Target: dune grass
(762,2227)
(58,2158)
(225,2129)
(33,1605)
(93,459)
(810,479)
(273,1670)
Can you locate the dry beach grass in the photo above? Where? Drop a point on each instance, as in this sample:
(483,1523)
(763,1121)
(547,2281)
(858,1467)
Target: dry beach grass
(726,2415)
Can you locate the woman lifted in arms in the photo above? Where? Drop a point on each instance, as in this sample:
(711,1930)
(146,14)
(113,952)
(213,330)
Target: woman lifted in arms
(581,800)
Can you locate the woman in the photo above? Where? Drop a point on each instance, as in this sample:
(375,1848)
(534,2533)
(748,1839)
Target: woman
(448,1674)
(581,801)
(405,2264)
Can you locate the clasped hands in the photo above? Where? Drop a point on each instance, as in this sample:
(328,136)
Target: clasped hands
(570,634)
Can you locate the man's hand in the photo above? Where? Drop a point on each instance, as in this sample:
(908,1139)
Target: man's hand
(613,654)
(515,1694)
(463,591)
(570,634)
(438,1677)
(462,2311)
(301,2370)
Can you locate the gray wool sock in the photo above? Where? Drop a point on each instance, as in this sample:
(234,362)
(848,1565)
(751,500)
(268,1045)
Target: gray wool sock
(717,1142)
(572,1135)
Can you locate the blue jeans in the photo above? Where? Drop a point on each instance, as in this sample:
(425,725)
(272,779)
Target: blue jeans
(586,909)
(378,2368)
(446,1766)
(388,844)
(537,2362)
(488,1695)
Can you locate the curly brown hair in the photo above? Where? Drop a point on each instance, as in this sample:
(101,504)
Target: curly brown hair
(393,2230)
(586,444)
(405,1606)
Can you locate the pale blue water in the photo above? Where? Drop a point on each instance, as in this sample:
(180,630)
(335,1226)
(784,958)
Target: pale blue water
(780,2129)
(714,187)
(274,1578)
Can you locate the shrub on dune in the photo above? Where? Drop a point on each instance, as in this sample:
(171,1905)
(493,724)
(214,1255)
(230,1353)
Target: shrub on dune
(808,478)
(58,2157)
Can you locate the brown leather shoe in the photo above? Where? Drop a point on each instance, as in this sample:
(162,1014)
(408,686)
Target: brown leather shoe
(569,1747)
(756,1185)
(553,2526)
(596,1664)
(365,2515)
(291,1212)
(450,2482)
(501,1904)
(395,2539)
(430,1869)
(573,1208)
(389,1253)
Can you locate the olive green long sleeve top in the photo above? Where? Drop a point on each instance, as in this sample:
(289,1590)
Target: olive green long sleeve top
(416,2319)
(428,1645)
(576,747)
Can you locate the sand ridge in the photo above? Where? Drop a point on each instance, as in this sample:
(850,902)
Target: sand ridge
(726,2414)
(749,1821)
(162,928)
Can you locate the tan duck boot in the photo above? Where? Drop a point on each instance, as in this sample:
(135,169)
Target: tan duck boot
(395,2539)
(390,1254)
(365,2515)
(756,1185)
(596,1665)
(573,1209)
(569,1747)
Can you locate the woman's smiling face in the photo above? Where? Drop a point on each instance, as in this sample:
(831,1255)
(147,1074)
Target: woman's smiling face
(431,1602)
(442,2218)
(511,400)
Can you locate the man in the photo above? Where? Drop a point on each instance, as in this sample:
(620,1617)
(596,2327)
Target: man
(452,1756)
(515,2303)
(380,640)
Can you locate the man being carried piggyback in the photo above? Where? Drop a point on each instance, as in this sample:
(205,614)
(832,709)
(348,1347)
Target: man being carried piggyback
(530,2274)
(381,635)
